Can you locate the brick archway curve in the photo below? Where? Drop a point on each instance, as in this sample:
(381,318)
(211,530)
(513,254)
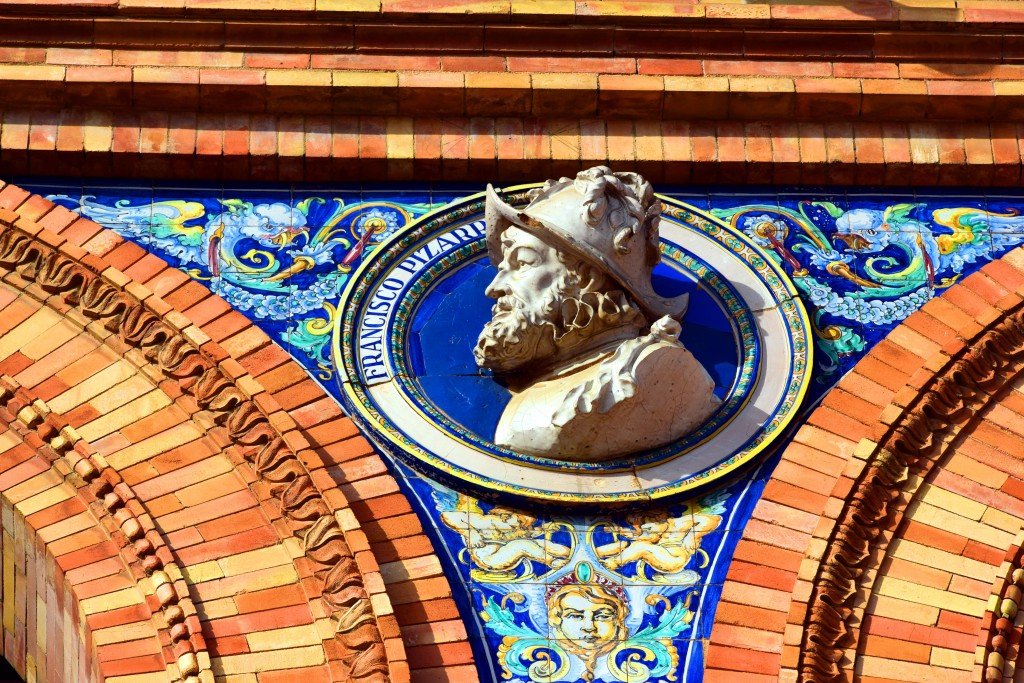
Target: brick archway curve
(253,498)
(892,524)
(68,563)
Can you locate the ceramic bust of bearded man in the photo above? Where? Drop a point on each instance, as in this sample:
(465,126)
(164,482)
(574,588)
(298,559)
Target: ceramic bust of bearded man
(590,351)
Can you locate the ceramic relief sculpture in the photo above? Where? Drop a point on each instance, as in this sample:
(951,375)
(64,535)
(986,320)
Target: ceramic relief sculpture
(590,351)
(633,348)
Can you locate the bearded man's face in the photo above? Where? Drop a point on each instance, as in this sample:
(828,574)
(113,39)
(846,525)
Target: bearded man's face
(529,289)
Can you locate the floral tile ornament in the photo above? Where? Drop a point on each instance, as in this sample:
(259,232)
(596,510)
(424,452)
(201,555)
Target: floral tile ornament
(272,260)
(605,602)
(862,270)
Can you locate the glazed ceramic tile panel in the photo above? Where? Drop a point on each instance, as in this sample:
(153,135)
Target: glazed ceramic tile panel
(552,592)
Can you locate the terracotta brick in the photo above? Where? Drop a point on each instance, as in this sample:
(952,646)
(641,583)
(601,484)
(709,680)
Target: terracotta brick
(264,620)
(15,363)
(962,623)
(875,646)
(730,613)
(319,674)
(558,94)
(472,63)
(497,94)
(318,137)
(225,326)
(630,95)
(760,575)
(124,255)
(223,647)
(445,654)
(983,553)
(252,539)
(229,525)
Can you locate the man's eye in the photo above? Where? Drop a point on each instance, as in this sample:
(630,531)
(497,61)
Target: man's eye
(524,257)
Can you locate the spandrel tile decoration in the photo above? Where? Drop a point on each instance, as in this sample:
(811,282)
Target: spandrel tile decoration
(567,568)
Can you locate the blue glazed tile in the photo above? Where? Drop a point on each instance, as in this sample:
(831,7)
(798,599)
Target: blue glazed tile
(68,197)
(43,184)
(696,199)
(252,188)
(441,197)
(461,189)
(110,205)
(693,664)
(725,201)
(391,195)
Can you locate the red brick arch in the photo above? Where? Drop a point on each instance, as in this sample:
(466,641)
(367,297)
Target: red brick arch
(894,517)
(64,556)
(259,533)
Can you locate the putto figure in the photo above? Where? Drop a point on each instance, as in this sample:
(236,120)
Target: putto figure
(590,351)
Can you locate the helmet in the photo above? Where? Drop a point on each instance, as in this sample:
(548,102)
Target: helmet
(609,220)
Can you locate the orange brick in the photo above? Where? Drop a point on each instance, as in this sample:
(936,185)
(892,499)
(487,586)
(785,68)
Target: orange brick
(722,657)
(901,650)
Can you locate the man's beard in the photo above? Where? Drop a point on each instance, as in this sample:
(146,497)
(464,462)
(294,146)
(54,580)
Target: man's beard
(516,334)
(520,334)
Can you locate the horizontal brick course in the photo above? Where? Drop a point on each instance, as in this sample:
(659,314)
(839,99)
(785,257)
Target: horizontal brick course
(236,72)
(672,151)
(807,91)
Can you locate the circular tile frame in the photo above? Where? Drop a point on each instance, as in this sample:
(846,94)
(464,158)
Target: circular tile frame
(401,421)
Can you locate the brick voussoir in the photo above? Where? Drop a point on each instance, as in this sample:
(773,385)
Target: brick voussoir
(964,499)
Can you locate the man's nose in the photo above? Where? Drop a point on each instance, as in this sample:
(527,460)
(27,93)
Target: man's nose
(497,288)
(588,625)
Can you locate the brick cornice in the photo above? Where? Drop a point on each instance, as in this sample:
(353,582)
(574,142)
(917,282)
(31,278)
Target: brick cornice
(712,31)
(865,14)
(329,89)
(642,89)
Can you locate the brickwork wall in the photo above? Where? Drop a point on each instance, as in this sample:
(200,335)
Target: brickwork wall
(237,559)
